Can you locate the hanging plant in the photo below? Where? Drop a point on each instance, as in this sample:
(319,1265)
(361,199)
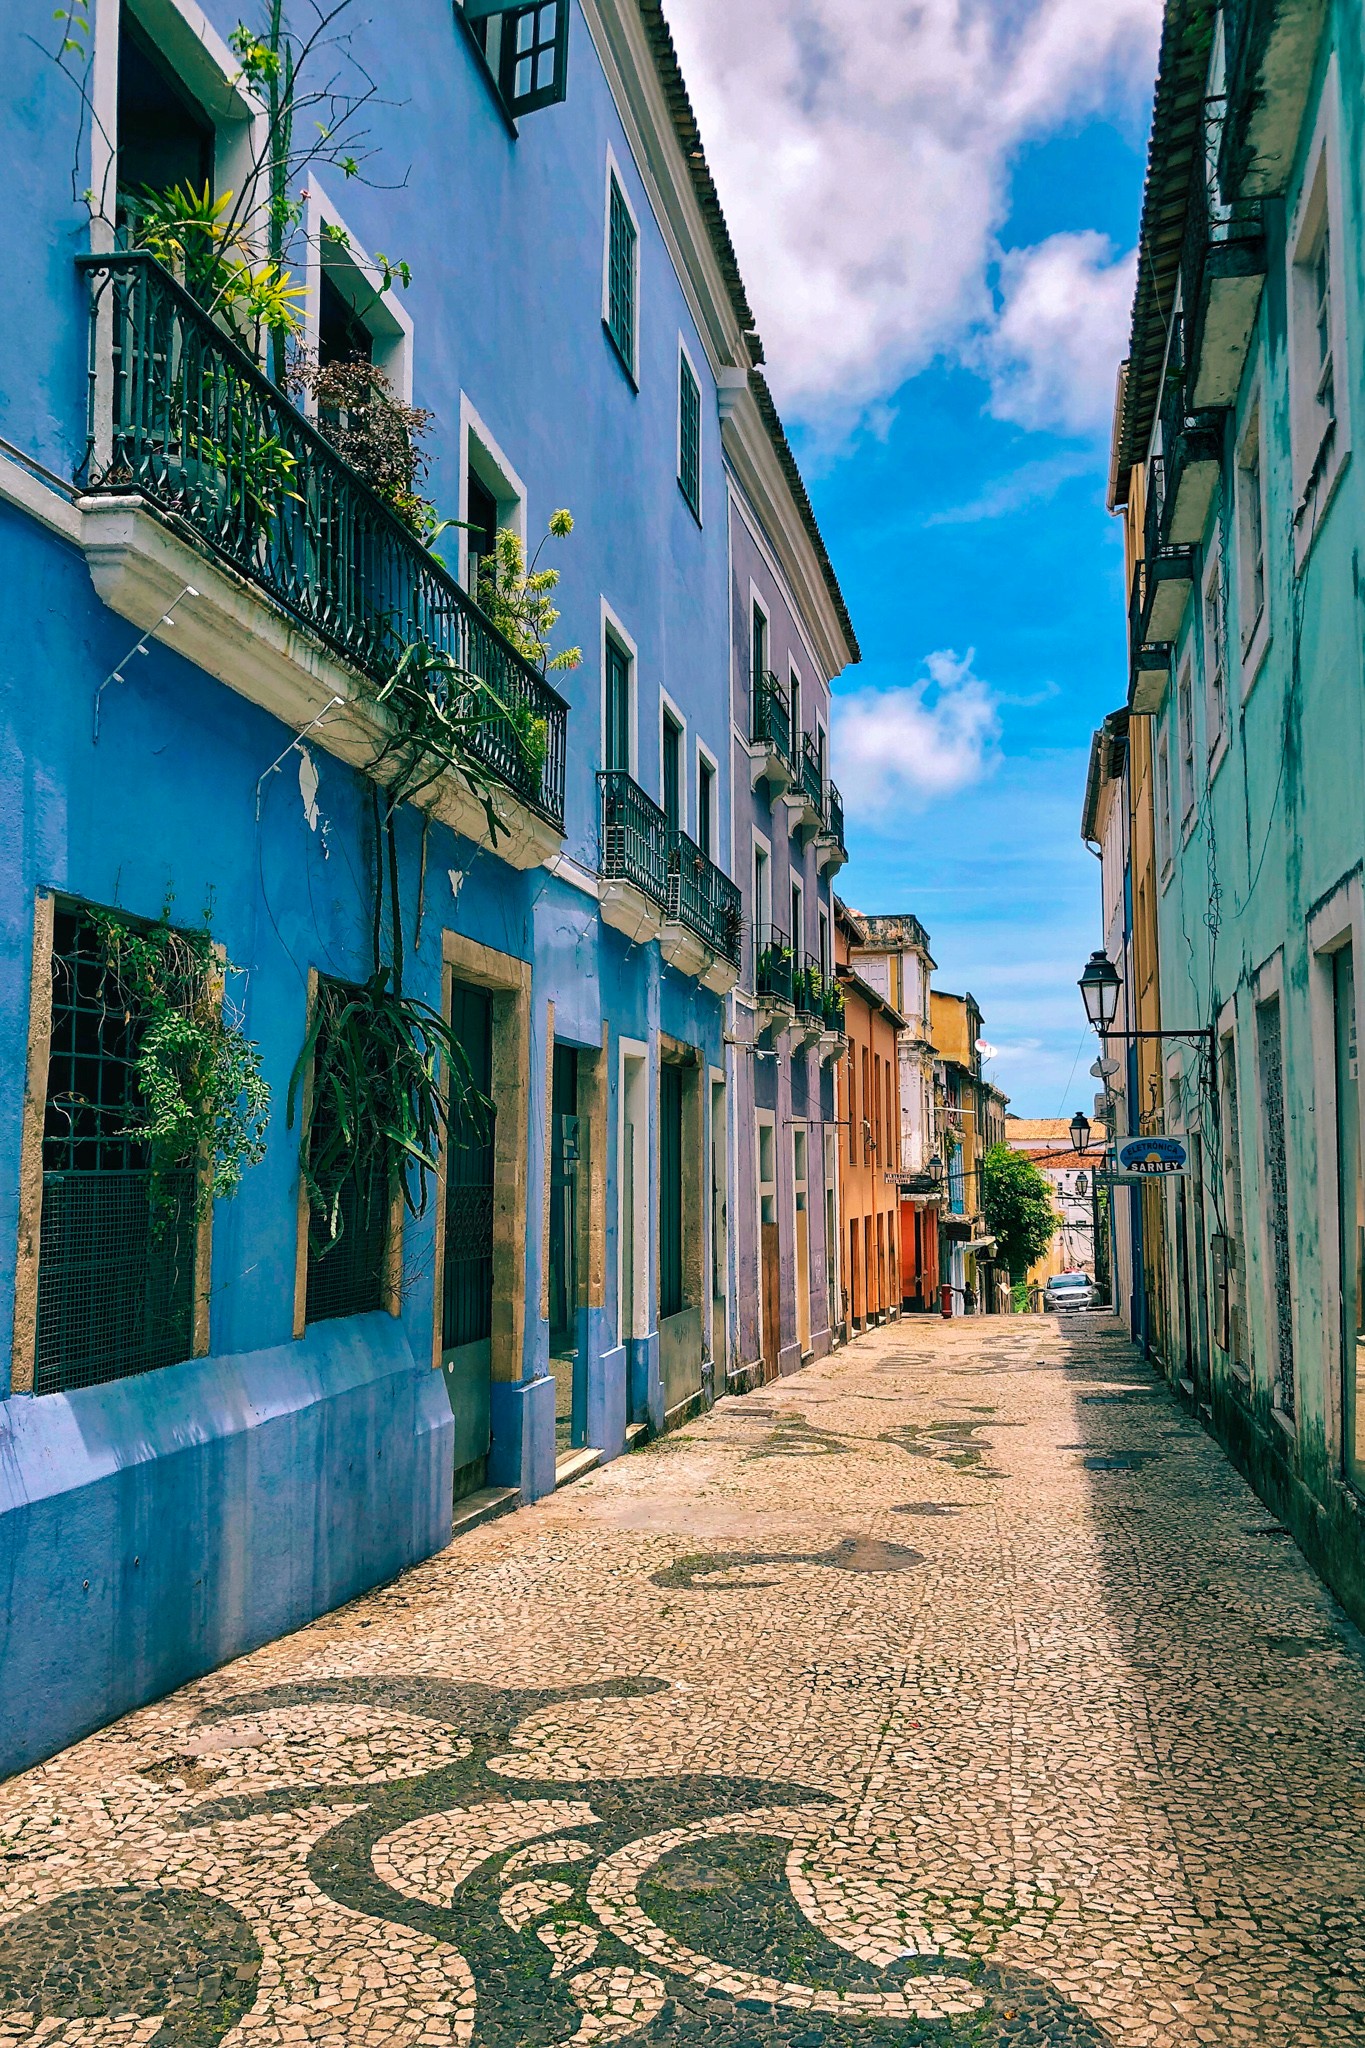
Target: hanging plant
(202,1100)
(388,1075)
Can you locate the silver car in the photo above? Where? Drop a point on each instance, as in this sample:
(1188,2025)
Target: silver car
(1067,1291)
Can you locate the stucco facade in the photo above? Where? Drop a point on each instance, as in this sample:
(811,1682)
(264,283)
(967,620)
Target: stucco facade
(219,778)
(1244,509)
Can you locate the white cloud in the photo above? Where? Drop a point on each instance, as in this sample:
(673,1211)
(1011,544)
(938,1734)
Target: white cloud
(862,151)
(1052,354)
(921,741)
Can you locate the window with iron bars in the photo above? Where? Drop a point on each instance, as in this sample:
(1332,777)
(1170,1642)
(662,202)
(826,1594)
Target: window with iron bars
(348,1262)
(689,435)
(117,1243)
(622,242)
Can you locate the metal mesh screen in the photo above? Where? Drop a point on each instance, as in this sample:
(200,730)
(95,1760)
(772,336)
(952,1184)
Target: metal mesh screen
(346,1276)
(116,1253)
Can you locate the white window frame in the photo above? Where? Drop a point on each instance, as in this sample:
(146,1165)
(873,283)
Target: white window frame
(616,174)
(1338,922)
(826,957)
(1268,986)
(612,628)
(479,451)
(358,279)
(1253,625)
(1213,600)
(762,926)
(1186,739)
(634,1078)
(756,604)
(193,49)
(1317,461)
(667,707)
(796,891)
(704,754)
(796,707)
(685,356)
(1161,774)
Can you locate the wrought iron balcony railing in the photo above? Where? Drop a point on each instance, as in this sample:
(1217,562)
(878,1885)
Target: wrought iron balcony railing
(181,415)
(812,775)
(641,847)
(834,811)
(773,966)
(772,719)
(636,838)
(808,990)
(704,899)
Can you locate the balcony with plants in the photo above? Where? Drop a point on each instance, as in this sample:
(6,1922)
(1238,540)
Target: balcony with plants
(834,1040)
(831,853)
(304,546)
(774,976)
(658,884)
(771,755)
(808,1000)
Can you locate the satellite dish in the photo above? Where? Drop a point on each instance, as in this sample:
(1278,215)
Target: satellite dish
(1102,1069)
(985,1048)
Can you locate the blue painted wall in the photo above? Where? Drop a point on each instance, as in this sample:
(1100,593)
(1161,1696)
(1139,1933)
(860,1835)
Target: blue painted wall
(151,1528)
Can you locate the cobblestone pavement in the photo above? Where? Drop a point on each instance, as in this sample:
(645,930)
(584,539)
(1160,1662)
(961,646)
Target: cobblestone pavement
(953,1691)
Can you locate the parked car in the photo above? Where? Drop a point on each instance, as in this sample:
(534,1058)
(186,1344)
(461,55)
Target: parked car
(1067,1291)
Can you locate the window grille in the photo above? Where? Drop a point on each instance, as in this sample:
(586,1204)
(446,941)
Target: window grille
(116,1255)
(621,244)
(689,435)
(346,1273)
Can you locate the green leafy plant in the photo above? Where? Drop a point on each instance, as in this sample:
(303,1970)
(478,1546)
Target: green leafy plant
(202,1098)
(518,599)
(1016,1201)
(387,1070)
(201,240)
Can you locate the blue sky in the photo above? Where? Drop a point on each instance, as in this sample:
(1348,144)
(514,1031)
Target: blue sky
(935,213)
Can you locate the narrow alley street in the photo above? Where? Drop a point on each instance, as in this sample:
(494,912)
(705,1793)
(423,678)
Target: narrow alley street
(954,1690)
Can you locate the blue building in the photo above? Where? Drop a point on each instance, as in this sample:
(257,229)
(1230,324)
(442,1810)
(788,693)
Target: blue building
(271,763)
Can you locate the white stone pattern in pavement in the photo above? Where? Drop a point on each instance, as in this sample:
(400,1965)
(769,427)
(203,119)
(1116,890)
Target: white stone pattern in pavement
(954,1690)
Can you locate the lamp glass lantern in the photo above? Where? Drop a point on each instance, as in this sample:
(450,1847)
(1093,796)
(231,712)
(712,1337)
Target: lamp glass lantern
(1080,1132)
(1099,986)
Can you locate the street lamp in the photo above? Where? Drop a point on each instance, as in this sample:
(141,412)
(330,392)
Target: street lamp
(1099,986)
(1080,1132)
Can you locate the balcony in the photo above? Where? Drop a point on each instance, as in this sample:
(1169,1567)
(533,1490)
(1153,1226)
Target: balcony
(808,1000)
(1270,49)
(634,858)
(774,973)
(834,1040)
(702,935)
(1192,454)
(831,854)
(1222,270)
(1168,566)
(197,470)
(1149,662)
(658,884)
(770,736)
(806,798)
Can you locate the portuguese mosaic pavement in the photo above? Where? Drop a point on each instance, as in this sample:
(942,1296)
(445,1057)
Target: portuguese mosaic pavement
(954,1691)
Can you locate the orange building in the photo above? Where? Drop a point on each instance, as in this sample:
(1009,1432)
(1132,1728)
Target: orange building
(869,1115)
